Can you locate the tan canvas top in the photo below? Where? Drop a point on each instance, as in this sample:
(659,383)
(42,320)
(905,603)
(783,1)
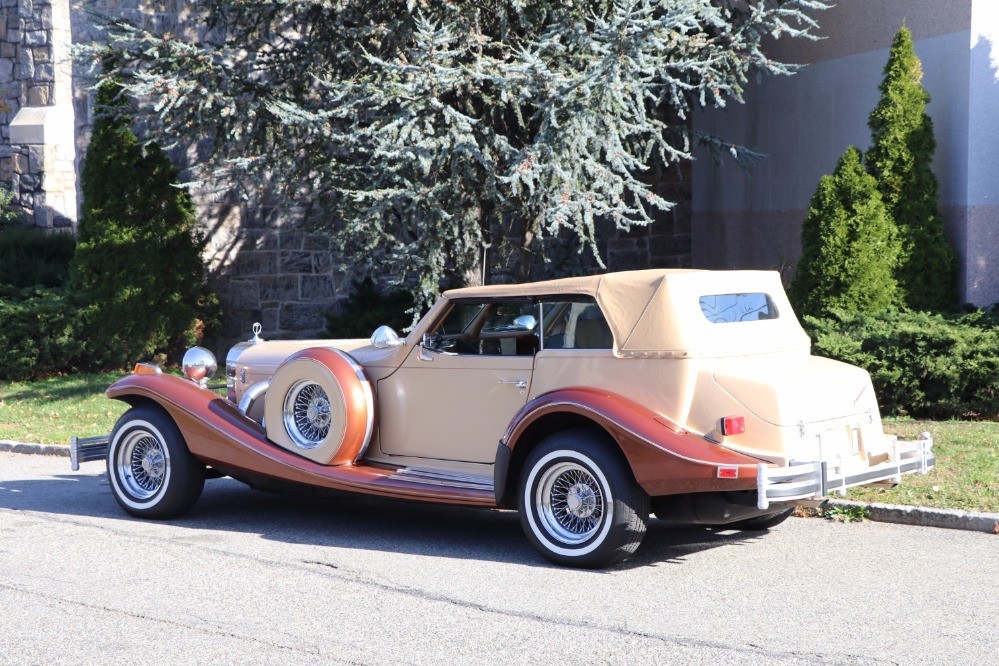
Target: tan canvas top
(657,311)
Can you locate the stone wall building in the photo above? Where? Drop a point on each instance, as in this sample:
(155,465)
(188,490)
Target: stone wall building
(265,268)
(37,147)
(262,265)
(803,123)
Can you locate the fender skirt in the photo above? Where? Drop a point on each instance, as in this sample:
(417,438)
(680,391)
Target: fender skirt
(218,435)
(664,458)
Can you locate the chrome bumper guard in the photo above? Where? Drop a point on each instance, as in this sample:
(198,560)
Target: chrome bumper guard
(85,449)
(814,480)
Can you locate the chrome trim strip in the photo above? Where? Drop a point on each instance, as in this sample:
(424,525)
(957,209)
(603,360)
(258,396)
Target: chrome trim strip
(444,478)
(251,395)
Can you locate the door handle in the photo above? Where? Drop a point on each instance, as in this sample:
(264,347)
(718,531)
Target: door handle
(519,383)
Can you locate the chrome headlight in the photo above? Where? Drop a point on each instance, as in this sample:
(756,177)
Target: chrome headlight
(199,365)
(230,368)
(233,357)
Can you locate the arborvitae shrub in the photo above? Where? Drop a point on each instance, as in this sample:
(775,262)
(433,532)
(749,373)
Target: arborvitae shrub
(29,257)
(137,270)
(922,364)
(900,159)
(849,245)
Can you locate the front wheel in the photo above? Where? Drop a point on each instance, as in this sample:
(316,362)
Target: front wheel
(150,470)
(579,505)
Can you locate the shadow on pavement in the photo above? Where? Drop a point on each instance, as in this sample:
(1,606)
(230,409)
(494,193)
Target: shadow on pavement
(352,522)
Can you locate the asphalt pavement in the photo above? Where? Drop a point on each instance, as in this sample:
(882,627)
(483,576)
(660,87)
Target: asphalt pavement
(260,578)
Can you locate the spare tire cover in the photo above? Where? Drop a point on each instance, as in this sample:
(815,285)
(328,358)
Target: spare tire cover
(320,406)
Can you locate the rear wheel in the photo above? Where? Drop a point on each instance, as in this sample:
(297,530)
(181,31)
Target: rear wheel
(150,470)
(579,505)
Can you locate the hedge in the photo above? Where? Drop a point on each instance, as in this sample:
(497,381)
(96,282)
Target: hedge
(30,257)
(923,365)
(39,335)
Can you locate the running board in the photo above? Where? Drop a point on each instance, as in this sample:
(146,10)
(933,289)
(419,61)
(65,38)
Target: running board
(437,477)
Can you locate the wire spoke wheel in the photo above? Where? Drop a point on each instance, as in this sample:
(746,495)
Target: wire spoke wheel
(307,414)
(151,471)
(579,503)
(142,464)
(572,505)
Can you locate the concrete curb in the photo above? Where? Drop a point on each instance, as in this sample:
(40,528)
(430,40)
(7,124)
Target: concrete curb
(11,446)
(954,519)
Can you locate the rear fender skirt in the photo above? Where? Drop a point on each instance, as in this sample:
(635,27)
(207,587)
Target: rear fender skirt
(218,435)
(664,458)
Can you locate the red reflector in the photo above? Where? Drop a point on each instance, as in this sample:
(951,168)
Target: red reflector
(728,472)
(733,425)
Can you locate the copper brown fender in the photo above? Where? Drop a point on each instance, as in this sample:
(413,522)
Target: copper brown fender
(664,458)
(217,434)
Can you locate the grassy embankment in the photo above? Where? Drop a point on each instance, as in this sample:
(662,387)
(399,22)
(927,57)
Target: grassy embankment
(50,411)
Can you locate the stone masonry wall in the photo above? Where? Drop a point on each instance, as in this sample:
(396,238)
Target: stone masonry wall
(262,266)
(35,75)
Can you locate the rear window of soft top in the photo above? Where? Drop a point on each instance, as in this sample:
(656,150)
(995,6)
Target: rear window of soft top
(733,308)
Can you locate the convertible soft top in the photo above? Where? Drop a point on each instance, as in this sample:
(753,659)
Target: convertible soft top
(644,310)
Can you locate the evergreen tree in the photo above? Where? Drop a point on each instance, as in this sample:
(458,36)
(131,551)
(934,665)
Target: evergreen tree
(428,131)
(850,246)
(900,160)
(137,270)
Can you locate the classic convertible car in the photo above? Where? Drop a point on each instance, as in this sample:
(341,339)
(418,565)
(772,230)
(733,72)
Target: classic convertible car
(584,403)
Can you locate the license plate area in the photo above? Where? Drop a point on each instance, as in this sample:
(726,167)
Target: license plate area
(843,442)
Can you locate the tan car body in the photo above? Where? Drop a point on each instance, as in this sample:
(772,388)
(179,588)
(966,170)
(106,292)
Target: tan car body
(713,416)
(666,355)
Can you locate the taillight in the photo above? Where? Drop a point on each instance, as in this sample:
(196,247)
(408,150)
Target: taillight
(733,425)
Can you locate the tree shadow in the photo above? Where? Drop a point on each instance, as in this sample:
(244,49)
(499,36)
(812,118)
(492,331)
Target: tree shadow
(353,522)
(79,386)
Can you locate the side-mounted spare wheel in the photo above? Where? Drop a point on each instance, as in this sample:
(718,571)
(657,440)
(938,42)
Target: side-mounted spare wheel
(151,472)
(579,504)
(320,406)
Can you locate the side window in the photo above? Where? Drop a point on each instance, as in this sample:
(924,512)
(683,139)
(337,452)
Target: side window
(459,318)
(487,329)
(575,324)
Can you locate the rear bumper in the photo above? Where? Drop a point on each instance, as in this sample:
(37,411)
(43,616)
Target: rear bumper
(815,480)
(85,449)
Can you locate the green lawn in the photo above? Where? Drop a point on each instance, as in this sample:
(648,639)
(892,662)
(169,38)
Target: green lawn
(50,411)
(967,472)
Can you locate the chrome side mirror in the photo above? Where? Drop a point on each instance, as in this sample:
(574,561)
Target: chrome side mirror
(385,336)
(525,323)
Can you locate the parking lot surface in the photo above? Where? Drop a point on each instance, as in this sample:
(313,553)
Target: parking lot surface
(263,578)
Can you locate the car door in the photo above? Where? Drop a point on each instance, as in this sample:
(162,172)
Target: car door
(454,395)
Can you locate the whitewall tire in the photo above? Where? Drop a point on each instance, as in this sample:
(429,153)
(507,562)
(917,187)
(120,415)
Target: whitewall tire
(579,505)
(150,470)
